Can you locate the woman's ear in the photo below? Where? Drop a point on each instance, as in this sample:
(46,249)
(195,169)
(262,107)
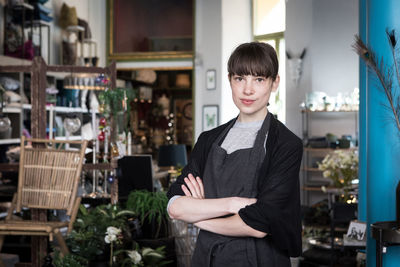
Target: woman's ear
(275,83)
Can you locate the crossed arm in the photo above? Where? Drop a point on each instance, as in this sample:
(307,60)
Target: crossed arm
(206,213)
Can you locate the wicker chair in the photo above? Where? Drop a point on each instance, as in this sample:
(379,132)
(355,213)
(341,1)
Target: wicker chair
(48,180)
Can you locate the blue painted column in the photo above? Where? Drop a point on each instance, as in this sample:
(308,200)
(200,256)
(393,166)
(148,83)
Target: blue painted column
(380,141)
(362,173)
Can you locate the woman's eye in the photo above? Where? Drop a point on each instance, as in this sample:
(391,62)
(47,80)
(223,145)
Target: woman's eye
(260,79)
(238,79)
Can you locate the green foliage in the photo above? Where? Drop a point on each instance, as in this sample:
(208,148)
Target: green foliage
(113,99)
(69,260)
(149,207)
(143,257)
(87,237)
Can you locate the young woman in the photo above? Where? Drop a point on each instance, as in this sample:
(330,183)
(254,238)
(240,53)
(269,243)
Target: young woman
(241,185)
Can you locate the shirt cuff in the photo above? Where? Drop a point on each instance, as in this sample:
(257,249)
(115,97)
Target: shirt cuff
(171,200)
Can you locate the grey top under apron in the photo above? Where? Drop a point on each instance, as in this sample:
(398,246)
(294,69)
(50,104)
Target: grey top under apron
(241,136)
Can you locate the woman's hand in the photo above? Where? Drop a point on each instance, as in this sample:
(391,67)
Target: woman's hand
(194,187)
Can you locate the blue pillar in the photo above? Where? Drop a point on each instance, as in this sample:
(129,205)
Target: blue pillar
(362,174)
(381,141)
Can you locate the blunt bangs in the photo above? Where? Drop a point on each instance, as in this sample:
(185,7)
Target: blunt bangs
(257,59)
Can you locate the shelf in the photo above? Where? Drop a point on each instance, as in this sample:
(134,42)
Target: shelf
(313,188)
(326,111)
(75,28)
(36,23)
(329,149)
(10,141)
(13,61)
(60,109)
(71,138)
(12,109)
(23,5)
(310,169)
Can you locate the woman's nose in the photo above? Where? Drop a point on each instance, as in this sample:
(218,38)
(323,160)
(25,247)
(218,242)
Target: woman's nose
(248,88)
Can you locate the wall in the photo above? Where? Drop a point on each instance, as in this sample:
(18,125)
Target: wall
(234,32)
(218,32)
(208,44)
(2,3)
(330,65)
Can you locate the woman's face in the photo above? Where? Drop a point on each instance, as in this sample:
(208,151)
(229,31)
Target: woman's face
(251,95)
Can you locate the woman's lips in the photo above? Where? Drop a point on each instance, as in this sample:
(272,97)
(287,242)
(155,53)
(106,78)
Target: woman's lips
(247,102)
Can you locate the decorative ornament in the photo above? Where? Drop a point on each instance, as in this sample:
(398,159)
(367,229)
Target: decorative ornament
(101,136)
(72,123)
(114,150)
(103,122)
(295,65)
(102,108)
(5,123)
(110,179)
(170,137)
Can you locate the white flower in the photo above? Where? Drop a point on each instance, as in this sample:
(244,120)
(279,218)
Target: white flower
(135,256)
(111,230)
(111,234)
(110,238)
(326,174)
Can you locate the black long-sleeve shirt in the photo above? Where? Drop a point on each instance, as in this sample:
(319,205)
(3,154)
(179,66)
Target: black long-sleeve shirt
(277,210)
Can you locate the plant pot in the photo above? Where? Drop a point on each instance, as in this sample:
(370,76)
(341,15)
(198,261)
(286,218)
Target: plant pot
(149,230)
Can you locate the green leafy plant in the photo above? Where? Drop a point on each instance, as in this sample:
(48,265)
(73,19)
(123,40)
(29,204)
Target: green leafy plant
(87,237)
(69,260)
(143,257)
(341,167)
(150,207)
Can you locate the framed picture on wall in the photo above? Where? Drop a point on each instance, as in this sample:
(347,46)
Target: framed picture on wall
(210,117)
(150,29)
(211,77)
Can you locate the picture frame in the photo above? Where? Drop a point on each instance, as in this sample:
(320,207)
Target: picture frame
(165,32)
(210,117)
(211,82)
(356,230)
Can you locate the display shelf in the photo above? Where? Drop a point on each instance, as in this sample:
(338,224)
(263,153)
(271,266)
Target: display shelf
(311,175)
(328,150)
(326,111)
(61,109)
(311,169)
(10,141)
(71,138)
(12,109)
(23,5)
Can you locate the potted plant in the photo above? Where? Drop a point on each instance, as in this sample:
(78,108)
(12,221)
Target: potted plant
(341,167)
(151,210)
(87,239)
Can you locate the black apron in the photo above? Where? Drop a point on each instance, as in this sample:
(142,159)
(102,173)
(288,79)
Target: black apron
(228,175)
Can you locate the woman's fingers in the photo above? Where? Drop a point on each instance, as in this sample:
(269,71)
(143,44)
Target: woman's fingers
(191,187)
(196,188)
(186,191)
(195,184)
(200,182)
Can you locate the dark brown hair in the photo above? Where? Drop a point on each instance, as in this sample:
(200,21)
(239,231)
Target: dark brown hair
(255,58)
